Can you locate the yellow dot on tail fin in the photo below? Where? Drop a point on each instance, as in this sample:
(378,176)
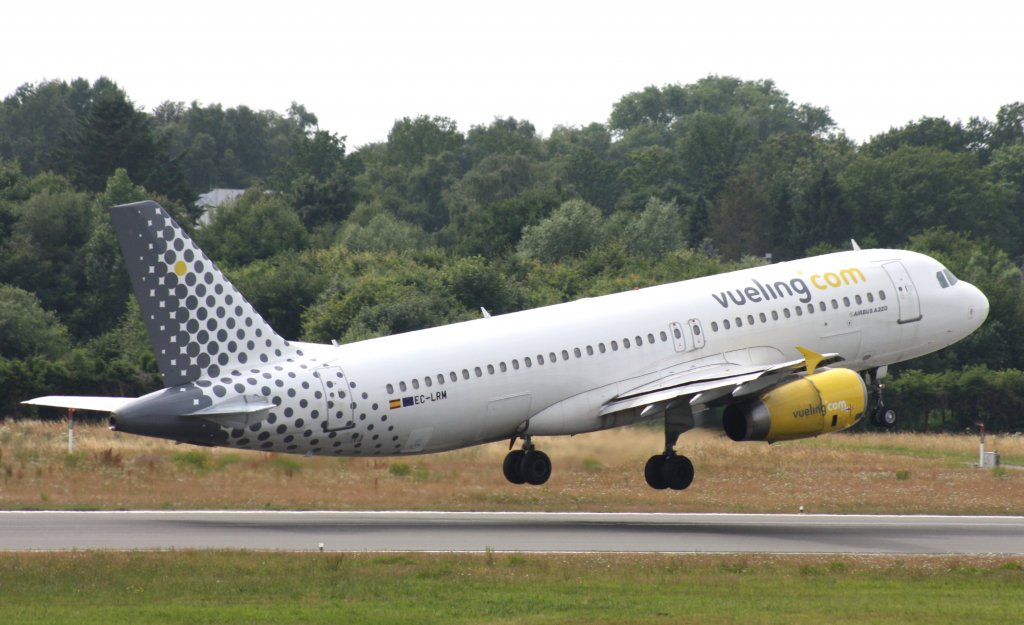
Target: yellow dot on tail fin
(180,268)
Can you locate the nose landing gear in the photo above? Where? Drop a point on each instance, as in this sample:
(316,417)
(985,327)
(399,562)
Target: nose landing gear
(880,416)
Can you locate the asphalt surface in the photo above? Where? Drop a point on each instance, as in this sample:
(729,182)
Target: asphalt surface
(511,531)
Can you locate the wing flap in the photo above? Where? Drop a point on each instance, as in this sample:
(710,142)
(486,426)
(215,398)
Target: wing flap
(715,381)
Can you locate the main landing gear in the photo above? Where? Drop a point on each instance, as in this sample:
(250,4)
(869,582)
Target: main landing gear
(668,469)
(527,465)
(879,416)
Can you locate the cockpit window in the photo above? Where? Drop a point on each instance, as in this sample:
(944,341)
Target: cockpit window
(946,278)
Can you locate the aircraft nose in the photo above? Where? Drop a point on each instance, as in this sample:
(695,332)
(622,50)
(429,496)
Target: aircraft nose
(977,307)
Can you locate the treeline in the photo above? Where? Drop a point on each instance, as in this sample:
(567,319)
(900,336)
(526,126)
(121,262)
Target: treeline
(429,225)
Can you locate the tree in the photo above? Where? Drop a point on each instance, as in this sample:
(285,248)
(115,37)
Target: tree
(506,136)
(412,141)
(27,329)
(45,249)
(257,225)
(915,188)
(112,135)
(659,229)
(572,230)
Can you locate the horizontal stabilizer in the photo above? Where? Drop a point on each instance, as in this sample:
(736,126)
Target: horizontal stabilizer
(98,404)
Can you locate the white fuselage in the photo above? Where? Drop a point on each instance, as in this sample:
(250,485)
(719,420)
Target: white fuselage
(548,371)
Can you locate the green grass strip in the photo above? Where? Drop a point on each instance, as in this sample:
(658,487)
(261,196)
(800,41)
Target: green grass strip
(82,588)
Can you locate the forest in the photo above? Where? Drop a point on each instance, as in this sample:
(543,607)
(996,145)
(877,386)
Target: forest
(433,222)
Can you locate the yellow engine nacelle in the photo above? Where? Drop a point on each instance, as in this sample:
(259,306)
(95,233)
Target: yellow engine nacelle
(827,401)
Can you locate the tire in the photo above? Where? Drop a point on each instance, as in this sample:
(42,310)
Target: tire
(678,472)
(535,467)
(887,418)
(513,465)
(654,472)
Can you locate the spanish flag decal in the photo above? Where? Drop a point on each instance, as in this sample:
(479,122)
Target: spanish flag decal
(394,403)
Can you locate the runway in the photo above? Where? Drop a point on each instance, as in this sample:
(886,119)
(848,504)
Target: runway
(511,532)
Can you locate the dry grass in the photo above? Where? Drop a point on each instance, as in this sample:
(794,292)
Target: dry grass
(848,473)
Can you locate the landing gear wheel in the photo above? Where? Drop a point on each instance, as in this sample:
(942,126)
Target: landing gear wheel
(535,467)
(887,418)
(678,472)
(654,472)
(513,465)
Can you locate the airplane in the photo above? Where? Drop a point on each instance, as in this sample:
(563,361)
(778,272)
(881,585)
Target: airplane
(782,351)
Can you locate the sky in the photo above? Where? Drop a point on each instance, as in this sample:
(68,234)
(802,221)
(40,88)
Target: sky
(360,66)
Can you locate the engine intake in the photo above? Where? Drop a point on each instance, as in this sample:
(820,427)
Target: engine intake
(827,401)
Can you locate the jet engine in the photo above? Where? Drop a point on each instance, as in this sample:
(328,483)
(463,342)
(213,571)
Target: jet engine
(826,401)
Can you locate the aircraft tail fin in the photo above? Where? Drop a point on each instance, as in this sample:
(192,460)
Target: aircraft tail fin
(198,323)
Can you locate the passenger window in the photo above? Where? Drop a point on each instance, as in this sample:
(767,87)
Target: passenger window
(639,341)
(540,359)
(881,295)
(391,389)
(785,313)
(676,333)
(871,297)
(600,348)
(415,384)
(428,381)
(739,322)
(527,362)
(714,326)
(664,337)
(503,366)
(402,386)
(515,364)
(552,358)
(576,352)
(490,369)
(857,299)
(846,302)
(590,350)
(750,320)
(810,309)
(465,374)
(725,324)
(775,315)
(565,355)
(440,378)
(821,306)
(625,343)
(478,372)
(762,317)
(799,311)
(615,346)
(650,339)
(835,305)
(453,377)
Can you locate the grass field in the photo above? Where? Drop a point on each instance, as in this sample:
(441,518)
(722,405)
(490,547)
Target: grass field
(234,587)
(844,473)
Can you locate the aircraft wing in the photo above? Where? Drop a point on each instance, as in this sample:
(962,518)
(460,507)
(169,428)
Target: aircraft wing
(706,384)
(98,404)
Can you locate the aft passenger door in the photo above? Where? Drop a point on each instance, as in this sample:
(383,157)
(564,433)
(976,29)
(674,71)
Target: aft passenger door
(336,401)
